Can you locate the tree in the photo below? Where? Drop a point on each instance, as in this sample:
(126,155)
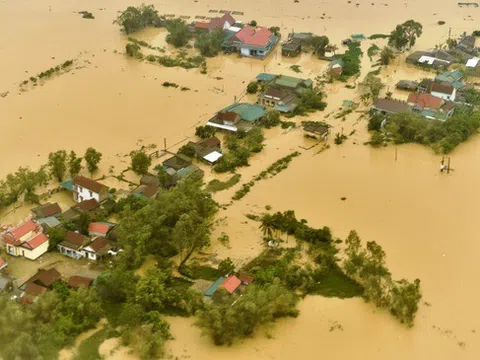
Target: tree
(92,158)
(405,35)
(188,150)
(151,292)
(267,225)
(57,163)
(271,119)
(386,55)
(178,32)
(253,23)
(351,60)
(252,88)
(259,305)
(55,236)
(372,86)
(275,30)
(318,43)
(136,18)
(205,132)
(210,43)
(74,164)
(190,234)
(133,50)
(226,266)
(140,162)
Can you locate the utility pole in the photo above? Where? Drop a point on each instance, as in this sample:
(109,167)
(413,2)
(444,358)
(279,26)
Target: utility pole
(396,153)
(448,166)
(165,144)
(449,33)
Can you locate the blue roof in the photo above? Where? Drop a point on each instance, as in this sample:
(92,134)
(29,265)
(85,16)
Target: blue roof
(211,290)
(186,170)
(458,85)
(67,185)
(282,108)
(266,77)
(247,112)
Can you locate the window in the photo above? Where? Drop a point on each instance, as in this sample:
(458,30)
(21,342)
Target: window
(91,195)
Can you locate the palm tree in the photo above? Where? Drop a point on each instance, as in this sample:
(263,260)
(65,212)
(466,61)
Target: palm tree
(267,226)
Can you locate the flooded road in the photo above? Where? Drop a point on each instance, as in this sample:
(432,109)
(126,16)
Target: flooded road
(425,221)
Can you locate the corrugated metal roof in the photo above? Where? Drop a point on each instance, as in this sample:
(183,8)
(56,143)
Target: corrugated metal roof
(67,185)
(247,112)
(50,221)
(266,77)
(211,290)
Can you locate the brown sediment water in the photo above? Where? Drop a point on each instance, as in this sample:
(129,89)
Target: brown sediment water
(425,221)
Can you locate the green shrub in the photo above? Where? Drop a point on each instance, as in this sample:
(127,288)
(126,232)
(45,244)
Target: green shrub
(252,88)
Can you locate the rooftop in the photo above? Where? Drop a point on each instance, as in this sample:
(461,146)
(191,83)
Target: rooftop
(35,289)
(231,283)
(177,162)
(100,245)
(35,242)
(45,277)
(99,228)
(77,282)
(425,101)
(390,105)
(75,241)
(87,205)
(47,210)
(248,112)
(89,184)
(255,36)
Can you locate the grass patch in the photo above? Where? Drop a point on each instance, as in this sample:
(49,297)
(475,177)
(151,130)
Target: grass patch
(48,73)
(88,348)
(217,185)
(195,271)
(271,171)
(378,36)
(334,283)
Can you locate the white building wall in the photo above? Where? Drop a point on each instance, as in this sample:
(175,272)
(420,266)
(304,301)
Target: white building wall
(84,194)
(445,96)
(245,52)
(36,253)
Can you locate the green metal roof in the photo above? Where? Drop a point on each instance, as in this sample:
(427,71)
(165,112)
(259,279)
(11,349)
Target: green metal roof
(67,185)
(247,112)
(358,36)
(282,108)
(266,77)
(211,290)
(288,81)
(302,36)
(434,114)
(51,221)
(457,84)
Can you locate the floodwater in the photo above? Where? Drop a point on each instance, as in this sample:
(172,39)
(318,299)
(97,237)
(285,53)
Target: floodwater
(425,221)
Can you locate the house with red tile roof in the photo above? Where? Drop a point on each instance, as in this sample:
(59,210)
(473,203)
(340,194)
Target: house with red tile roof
(430,106)
(27,240)
(87,189)
(252,41)
(100,228)
(231,283)
(223,23)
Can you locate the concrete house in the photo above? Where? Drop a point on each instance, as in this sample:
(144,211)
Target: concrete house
(72,245)
(47,210)
(86,189)
(437,59)
(451,78)
(282,92)
(252,42)
(97,248)
(207,150)
(445,92)
(27,240)
(238,116)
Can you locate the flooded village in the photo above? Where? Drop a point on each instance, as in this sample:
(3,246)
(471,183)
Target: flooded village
(190,180)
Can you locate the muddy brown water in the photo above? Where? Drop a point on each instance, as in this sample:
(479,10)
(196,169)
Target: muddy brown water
(426,222)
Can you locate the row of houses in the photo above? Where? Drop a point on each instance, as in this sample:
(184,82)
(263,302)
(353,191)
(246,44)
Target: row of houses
(435,99)
(464,53)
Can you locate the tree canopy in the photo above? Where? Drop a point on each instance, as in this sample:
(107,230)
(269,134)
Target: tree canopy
(140,162)
(178,33)
(136,18)
(57,163)
(92,158)
(210,42)
(405,35)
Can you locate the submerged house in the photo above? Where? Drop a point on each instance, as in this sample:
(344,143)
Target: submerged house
(430,106)
(27,240)
(443,91)
(316,130)
(438,59)
(223,23)
(87,189)
(407,85)
(336,67)
(38,284)
(207,150)
(99,247)
(252,41)
(282,92)
(389,107)
(238,116)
